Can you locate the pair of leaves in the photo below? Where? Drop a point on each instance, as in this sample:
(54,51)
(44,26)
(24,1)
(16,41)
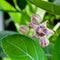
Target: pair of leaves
(21,47)
(17,16)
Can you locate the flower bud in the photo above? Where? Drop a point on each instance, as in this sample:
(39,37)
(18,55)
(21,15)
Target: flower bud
(24,29)
(35,18)
(44,41)
(33,25)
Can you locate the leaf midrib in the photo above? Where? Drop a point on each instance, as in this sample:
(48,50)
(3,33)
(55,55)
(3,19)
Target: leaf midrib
(21,50)
(34,50)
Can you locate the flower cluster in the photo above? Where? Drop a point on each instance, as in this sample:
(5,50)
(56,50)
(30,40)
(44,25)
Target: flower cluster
(40,29)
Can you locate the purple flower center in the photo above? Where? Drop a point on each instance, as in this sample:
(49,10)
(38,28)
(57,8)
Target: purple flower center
(41,31)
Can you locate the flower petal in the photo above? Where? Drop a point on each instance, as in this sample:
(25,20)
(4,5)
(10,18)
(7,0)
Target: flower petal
(44,41)
(33,25)
(35,18)
(24,29)
(44,23)
(49,31)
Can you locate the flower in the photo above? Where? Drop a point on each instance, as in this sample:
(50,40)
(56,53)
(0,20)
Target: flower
(40,29)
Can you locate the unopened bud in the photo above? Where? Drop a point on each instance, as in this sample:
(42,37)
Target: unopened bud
(35,18)
(24,29)
(44,41)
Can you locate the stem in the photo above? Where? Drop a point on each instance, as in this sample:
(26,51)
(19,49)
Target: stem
(57,26)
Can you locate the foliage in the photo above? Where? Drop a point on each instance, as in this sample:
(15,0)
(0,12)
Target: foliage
(16,46)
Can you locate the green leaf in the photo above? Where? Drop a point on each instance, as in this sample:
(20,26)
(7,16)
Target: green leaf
(6,33)
(21,3)
(51,0)
(56,50)
(48,6)
(9,8)
(25,19)
(3,34)
(6,59)
(48,50)
(21,47)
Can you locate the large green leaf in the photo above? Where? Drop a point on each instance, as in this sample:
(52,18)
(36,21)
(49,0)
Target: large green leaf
(3,34)
(21,47)
(48,6)
(9,8)
(56,50)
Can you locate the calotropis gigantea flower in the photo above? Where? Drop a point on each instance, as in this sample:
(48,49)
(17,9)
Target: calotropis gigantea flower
(40,30)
